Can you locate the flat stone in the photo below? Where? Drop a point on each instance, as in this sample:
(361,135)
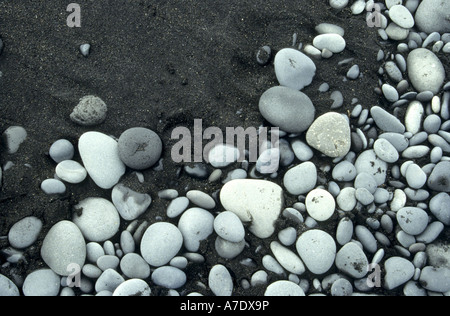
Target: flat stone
(412,220)
(352,260)
(71,171)
(7,287)
(385,151)
(425,70)
(327,28)
(257,202)
(53,186)
(331,135)
(415,177)
(317,249)
(195,225)
(169,277)
(42,282)
(432,16)
(301,179)
(320,205)
(368,162)
(25,232)
(402,16)
(130,204)
(344,172)
(228,226)
(386,121)
(396,33)
(90,111)
(390,93)
(294,69)
(398,272)
(439,180)
(61,150)
(344,232)
(133,287)
(288,259)
(201,199)
(283,289)
(346,199)
(177,207)
(440,207)
(335,43)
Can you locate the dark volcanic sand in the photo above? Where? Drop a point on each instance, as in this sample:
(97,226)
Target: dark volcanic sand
(157,66)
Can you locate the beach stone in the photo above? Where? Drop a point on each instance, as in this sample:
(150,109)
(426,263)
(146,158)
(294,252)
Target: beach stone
(90,111)
(140,148)
(263,55)
(335,43)
(108,281)
(195,225)
(161,243)
(133,287)
(440,207)
(412,220)
(415,177)
(223,155)
(366,238)
(416,152)
(352,260)
(330,134)
(439,180)
(346,199)
(320,205)
(290,110)
(354,72)
(288,236)
(341,287)
(220,281)
(344,171)
(85,49)
(327,28)
(425,70)
(368,162)
(396,33)
(228,226)
(63,245)
(100,156)
(393,72)
(25,232)
(177,207)
(364,196)
(435,279)
(42,282)
(386,151)
(432,16)
(344,232)
(401,16)
(7,287)
(288,259)
(294,69)
(53,186)
(440,142)
(301,179)
(130,204)
(302,151)
(201,199)
(414,117)
(399,141)
(283,289)
(432,124)
(133,265)
(71,171)
(386,121)
(108,262)
(258,202)
(97,219)
(12,138)
(431,233)
(398,272)
(169,277)
(227,249)
(317,249)
(438,255)
(61,150)
(390,93)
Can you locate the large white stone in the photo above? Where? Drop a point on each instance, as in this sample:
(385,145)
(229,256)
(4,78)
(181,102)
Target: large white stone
(196,225)
(320,205)
(301,179)
(425,70)
(317,250)
(294,69)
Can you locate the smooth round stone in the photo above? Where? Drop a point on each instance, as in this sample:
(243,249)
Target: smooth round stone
(71,171)
(344,172)
(290,110)
(43,282)
(130,204)
(390,93)
(346,199)
(53,186)
(432,124)
(412,220)
(288,259)
(416,152)
(341,287)
(161,243)
(436,155)
(317,249)
(140,148)
(432,16)
(368,162)
(393,72)
(402,16)
(177,207)
(425,70)
(227,249)
(283,289)
(414,117)
(100,156)
(195,225)
(398,272)
(25,232)
(228,226)
(320,205)
(335,43)
(85,49)
(440,207)
(294,69)
(364,196)
(415,177)
(169,277)
(263,55)
(257,202)
(108,281)
(399,141)
(301,179)
(7,287)
(90,111)
(327,28)
(439,180)
(386,151)
(352,260)
(344,232)
(331,135)
(288,236)
(353,72)
(366,238)
(97,219)
(220,281)
(435,279)
(108,262)
(133,265)
(61,150)
(63,245)
(94,251)
(223,155)
(12,138)
(386,121)
(201,199)
(396,32)
(302,151)
(133,287)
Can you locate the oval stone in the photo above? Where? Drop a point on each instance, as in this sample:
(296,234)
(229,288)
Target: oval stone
(294,69)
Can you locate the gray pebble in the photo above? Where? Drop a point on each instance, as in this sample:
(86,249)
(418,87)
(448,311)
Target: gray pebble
(440,207)
(108,262)
(416,152)
(317,249)
(53,186)
(435,279)
(307,172)
(62,150)
(398,272)
(366,181)
(393,72)
(342,287)
(364,196)
(195,224)
(108,281)
(228,226)
(390,93)
(168,194)
(294,69)
(127,243)
(177,207)
(431,16)
(418,139)
(436,155)
(415,177)
(201,199)
(90,111)
(344,231)
(198,171)
(344,172)
(85,49)
(412,220)
(431,233)
(288,236)
(169,277)
(25,232)
(43,282)
(133,287)
(227,249)
(94,251)
(386,151)
(133,265)
(386,121)
(438,141)
(302,151)
(352,260)
(439,180)
(366,238)
(399,141)
(338,100)
(353,72)
(425,70)
(7,287)
(264,55)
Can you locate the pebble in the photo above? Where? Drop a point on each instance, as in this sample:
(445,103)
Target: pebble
(61,150)
(100,156)
(398,272)
(177,207)
(436,155)
(344,231)
(366,238)
(195,225)
(390,93)
(431,233)
(223,155)
(197,171)
(333,42)
(7,287)
(288,259)
(307,172)
(369,163)
(129,204)
(108,262)
(108,281)
(425,70)
(13,138)
(269,161)
(227,249)
(412,220)
(169,277)
(344,172)
(63,245)
(440,207)
(90,111)
(439,180)
(386,151)
(338,99)
(414,117)
(97,219)
(53,186)
(263,55)
(393,72)
(386,121)
(94,251)
(431,16)
(288,236)
(432,124)
(401,16)
(354,72)
(133,265)
(133,287)
(302,151)
(294,69)
(320,205)
(352,260)
(25,232)
(161,243)
(346,199)
(229,227)
(364,196)
(258,202)
(435,279)
(416,152)
(283,289)
(317,249)
(290,110)
(338,4)
(415,177)
(399,141)
(201,199)
(85,49)
(341,287)
(71,171)
(42,282)
(327,28)
(331,135)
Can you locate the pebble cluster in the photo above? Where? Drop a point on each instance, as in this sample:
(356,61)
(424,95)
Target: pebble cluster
(384,179)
